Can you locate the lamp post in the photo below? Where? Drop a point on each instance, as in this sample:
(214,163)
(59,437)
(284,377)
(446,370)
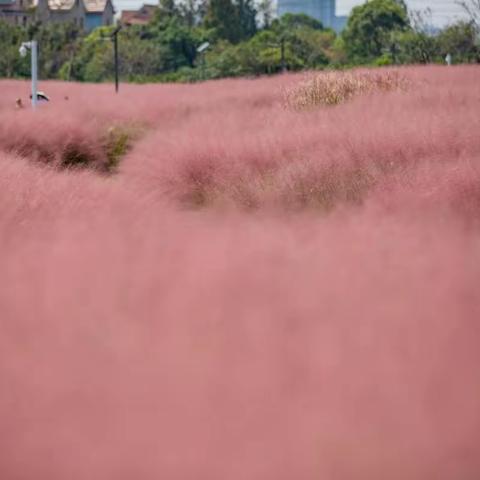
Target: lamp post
(33,47)
(283,63)
(114,36)
(201,50)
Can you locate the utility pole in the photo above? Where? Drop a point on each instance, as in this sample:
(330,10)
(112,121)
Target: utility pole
(115,48)
(115,54)
(282,55)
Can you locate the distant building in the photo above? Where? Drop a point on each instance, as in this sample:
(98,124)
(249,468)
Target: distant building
(87,14)
(16,12)
(98,13)
(322,10)
(56,11)
(142,16)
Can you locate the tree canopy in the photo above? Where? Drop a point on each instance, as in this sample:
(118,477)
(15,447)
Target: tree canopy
(244,40)
(370,27)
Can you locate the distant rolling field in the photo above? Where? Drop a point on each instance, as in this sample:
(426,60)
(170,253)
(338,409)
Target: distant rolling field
(215,281)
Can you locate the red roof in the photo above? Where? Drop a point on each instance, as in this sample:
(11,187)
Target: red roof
(142,16)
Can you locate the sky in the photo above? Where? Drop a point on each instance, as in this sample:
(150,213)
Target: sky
(443,11)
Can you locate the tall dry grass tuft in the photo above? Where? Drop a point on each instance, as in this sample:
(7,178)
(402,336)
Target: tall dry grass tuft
(334,88)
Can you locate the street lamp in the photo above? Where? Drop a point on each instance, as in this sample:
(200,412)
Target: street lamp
(33,47)
(283,63)
(201,50)
(203,47)
(114,36)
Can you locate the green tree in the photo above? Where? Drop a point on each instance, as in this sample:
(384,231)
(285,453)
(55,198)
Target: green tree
(247,18)
(232,21)
(305,42)
(370,26)
(292,21)
(57,43)
(138,58)
(11,64)
(222,60)
(177,38)
(414,47)
(312,47)
(293,41)
(461,41)
(86,63)
(221,19)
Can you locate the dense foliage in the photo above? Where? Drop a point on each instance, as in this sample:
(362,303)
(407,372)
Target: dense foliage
(370,27)
(244,40)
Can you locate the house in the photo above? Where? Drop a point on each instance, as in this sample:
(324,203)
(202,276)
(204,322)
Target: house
(48,11)
(142,16)
(87,14)
(16,12)
(98,13)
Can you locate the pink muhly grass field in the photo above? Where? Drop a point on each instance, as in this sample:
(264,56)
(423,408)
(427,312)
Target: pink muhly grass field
(253,292)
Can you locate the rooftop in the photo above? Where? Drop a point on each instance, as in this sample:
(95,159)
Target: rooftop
(138,17)
(61,4)
(95,6)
